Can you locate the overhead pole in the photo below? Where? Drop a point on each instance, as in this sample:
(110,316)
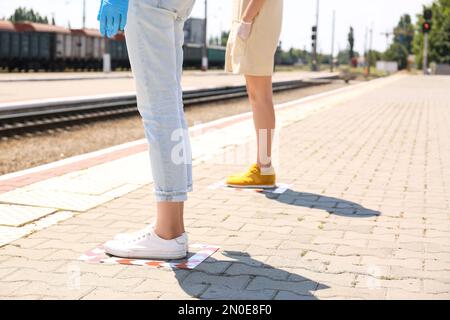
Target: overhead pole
(205,40)
(387,35)
(365,45)
(369,60)
(332,41)
(84,14)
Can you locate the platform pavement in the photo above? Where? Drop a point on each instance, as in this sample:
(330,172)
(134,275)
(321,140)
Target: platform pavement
(367,215)
(40,86)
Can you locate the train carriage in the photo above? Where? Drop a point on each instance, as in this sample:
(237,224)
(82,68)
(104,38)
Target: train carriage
(38,45)
(9,44)
(193,55)
(78,49)
(216,56)
(118,49)
(65,42)
(87,48)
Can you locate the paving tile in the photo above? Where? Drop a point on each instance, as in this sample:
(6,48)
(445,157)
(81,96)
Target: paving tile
(16,215)
(60,200)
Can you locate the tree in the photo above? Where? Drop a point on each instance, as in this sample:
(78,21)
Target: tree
(402,45)
(213,41)
(343,56)
(404,32)
(324,58)
(439,37)
(374,57)
(351,44)
(24,14)
(294,56)
(224,38)
(398,53)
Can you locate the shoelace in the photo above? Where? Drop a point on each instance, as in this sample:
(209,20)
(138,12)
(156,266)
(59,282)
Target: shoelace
(138,237)
(251,171)
(140,233)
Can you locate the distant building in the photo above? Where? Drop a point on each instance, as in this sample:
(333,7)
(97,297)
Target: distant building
(193,31)
(387,66)
(441,69)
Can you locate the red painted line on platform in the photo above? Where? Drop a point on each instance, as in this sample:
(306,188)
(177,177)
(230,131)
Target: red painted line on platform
(17,182)
(27,179)
(22,181)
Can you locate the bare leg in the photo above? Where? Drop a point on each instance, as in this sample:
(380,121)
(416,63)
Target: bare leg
(181,216)
(169,223)
(261,99)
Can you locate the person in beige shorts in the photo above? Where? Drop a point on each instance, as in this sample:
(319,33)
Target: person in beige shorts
(251,51)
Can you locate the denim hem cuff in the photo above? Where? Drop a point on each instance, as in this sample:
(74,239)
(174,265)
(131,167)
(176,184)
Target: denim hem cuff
(171,198)
(175,196)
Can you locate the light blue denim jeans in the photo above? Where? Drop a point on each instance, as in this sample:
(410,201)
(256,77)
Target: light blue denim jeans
(155,37)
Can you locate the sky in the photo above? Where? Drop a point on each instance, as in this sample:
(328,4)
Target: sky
(299,17)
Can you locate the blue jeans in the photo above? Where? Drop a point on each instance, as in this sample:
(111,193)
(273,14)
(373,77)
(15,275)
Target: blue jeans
(155,37)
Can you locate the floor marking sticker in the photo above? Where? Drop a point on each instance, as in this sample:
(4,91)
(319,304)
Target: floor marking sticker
(197,254)
(279,189)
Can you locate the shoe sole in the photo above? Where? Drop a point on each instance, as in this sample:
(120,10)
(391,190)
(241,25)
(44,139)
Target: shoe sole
(252,186)
(125,237)
(160,255)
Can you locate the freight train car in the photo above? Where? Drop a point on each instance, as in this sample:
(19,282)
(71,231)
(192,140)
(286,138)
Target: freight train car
(117,48)
(87,49)
(193,55)
(216,56)
(37,46)
(34,46)
(26,46)
(63,50)
(9,43)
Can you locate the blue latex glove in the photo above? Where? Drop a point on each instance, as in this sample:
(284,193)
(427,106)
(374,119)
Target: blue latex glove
(112,16)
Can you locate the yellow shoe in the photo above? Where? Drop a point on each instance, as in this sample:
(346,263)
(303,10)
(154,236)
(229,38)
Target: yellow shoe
(252,179)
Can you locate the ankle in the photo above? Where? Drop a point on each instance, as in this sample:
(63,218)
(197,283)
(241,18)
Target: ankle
(168,234)
(266,169)
(264,165)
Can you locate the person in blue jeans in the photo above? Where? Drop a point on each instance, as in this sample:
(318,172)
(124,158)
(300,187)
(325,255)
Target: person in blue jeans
(154,35)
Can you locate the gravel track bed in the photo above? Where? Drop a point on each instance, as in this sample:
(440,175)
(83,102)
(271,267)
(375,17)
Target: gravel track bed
(18,153)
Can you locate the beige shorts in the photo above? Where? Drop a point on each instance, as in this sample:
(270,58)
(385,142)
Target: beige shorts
(255,56)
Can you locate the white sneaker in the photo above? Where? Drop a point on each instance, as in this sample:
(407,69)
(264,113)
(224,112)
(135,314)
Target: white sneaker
(131,235)
(149,228)
(148,246)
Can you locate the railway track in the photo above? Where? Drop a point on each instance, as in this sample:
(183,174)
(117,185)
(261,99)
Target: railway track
(17,119)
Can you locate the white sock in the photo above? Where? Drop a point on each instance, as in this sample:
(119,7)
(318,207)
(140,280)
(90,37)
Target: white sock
(267,170)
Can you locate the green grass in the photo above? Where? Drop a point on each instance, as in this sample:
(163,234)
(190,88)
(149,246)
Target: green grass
(284,68)
(361,72)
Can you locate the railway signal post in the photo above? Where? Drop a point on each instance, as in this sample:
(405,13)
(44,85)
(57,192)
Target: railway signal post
(426,28)
(314,49)
(314,38)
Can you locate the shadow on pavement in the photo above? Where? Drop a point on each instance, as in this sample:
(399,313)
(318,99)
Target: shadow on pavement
(317,201)
(261,281)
